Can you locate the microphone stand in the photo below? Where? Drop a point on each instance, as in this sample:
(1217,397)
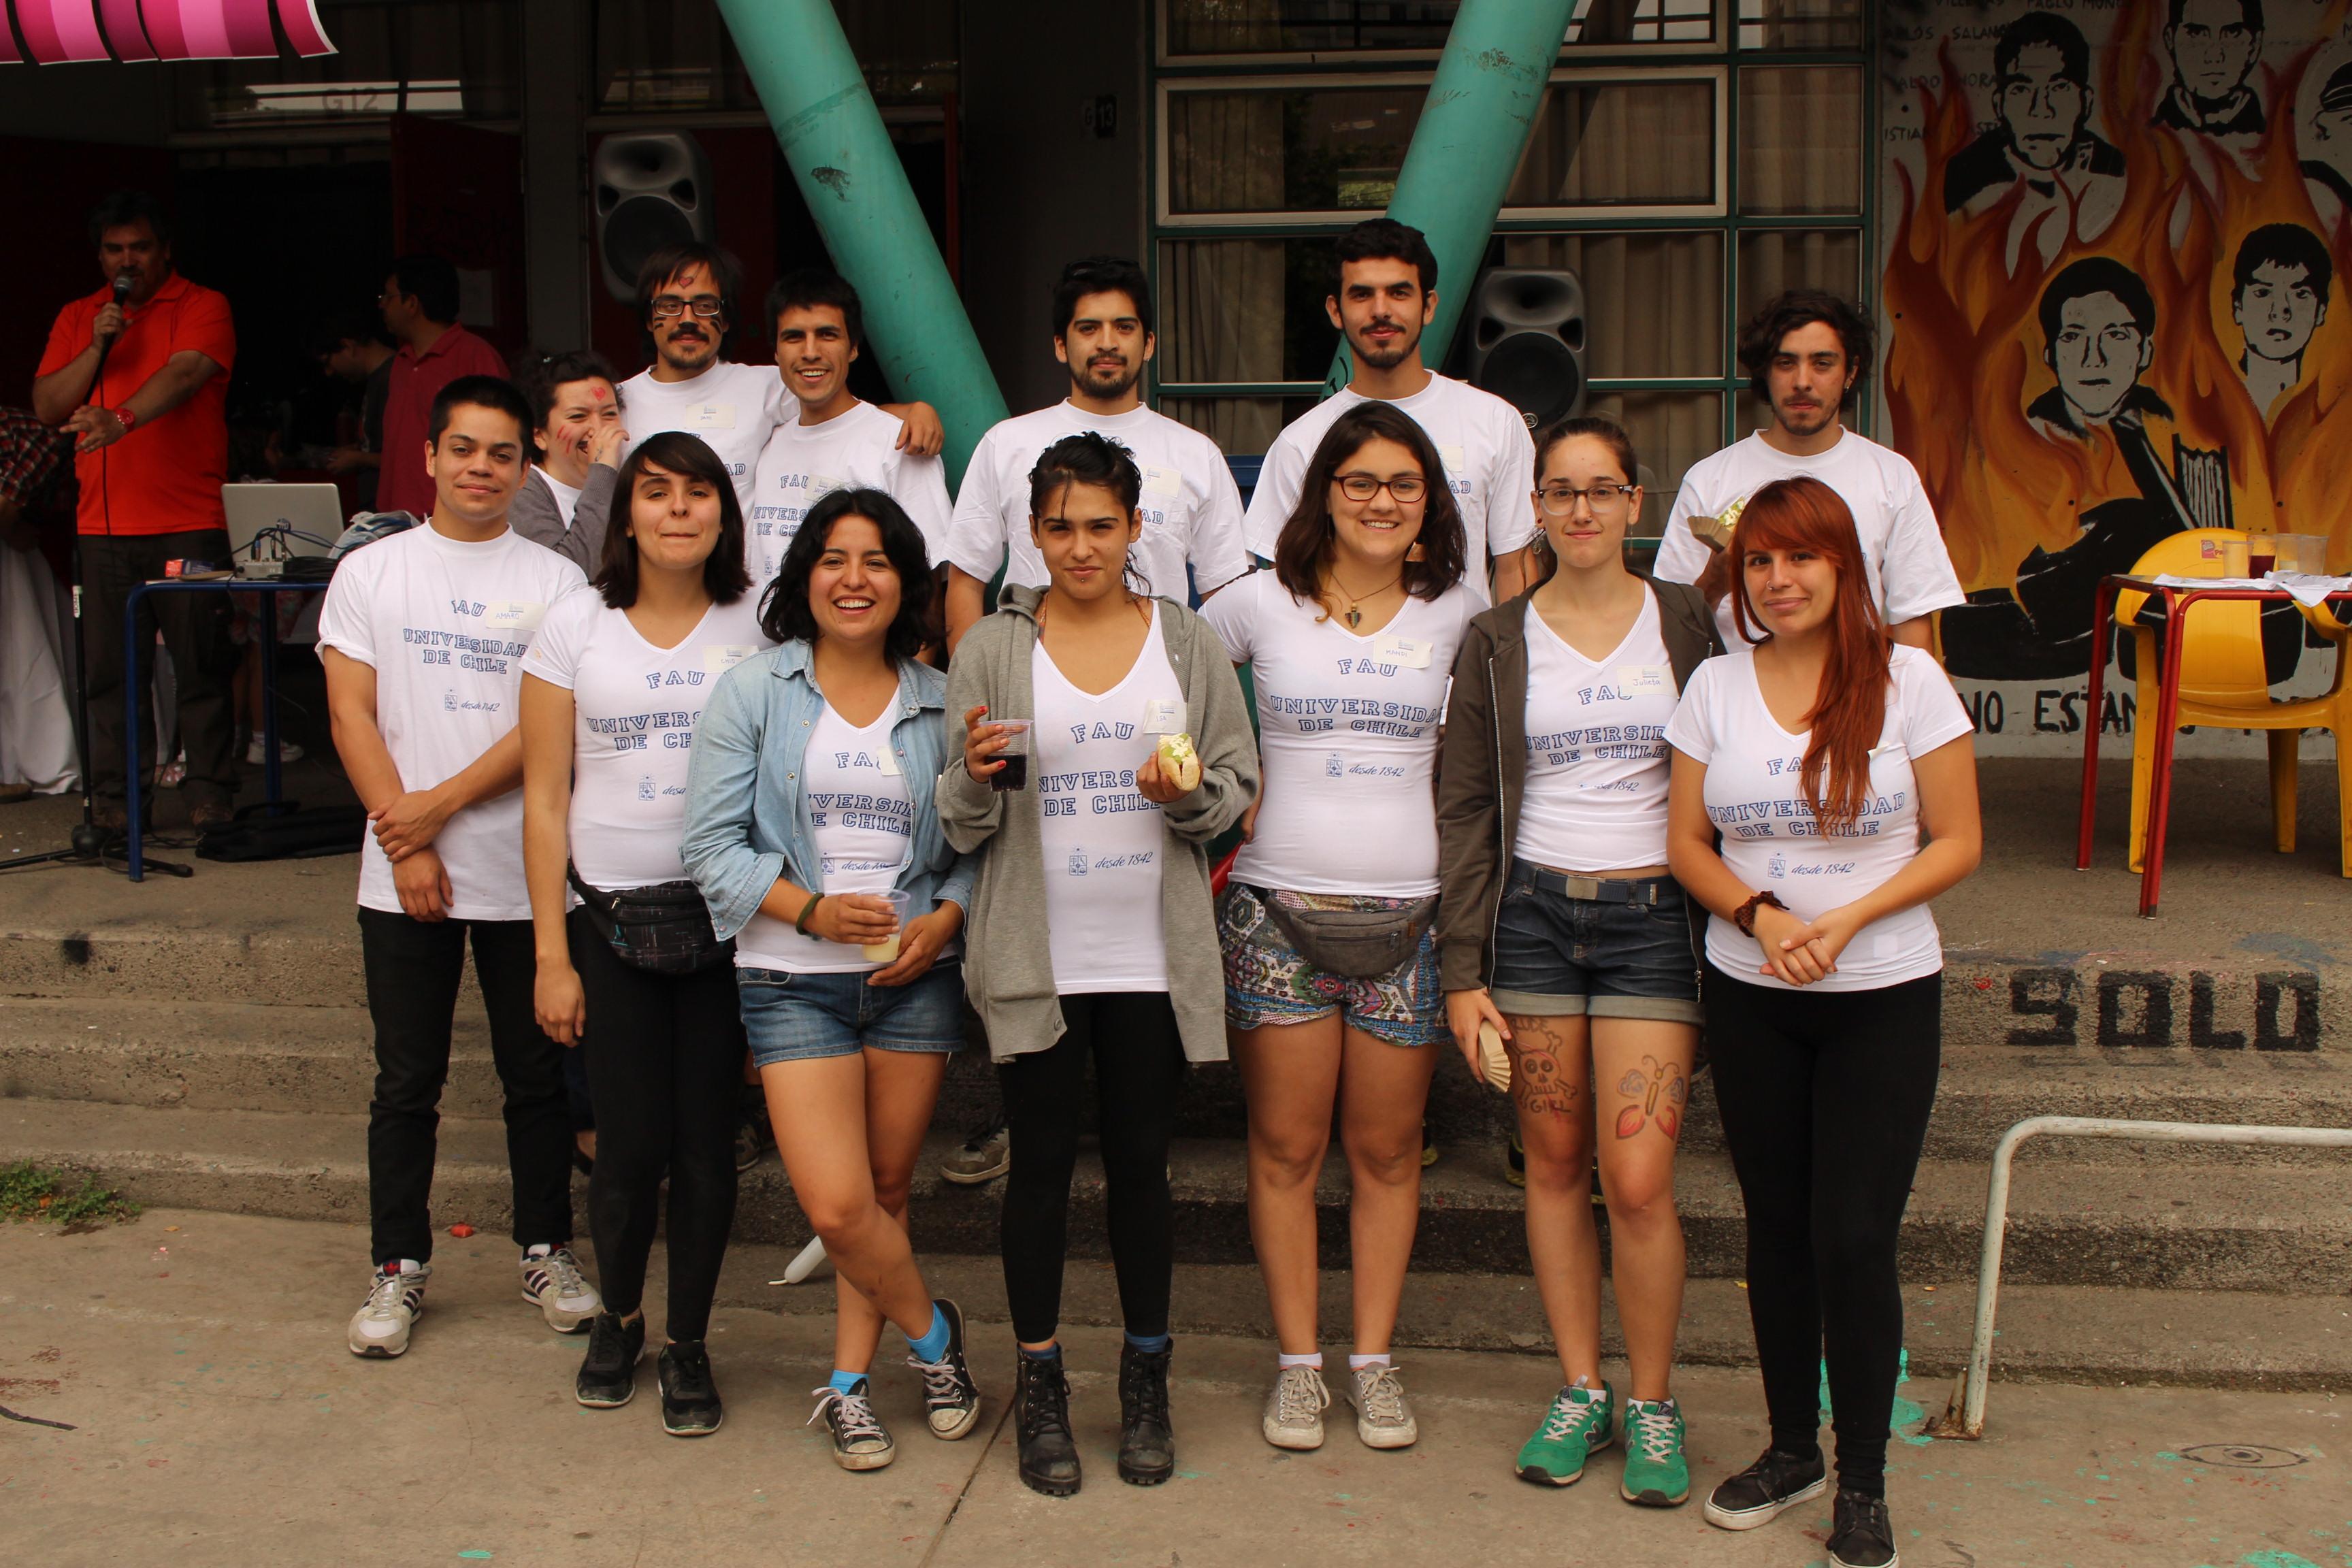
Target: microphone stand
(88,845)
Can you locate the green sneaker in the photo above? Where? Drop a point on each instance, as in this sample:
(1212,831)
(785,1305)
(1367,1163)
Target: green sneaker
(1579,1423)
(1655,1475)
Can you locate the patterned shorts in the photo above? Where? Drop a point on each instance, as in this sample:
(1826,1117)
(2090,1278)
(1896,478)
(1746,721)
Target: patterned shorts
(1268,981)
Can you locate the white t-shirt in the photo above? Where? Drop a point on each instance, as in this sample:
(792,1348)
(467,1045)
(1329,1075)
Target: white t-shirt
(445,624)
(1483,442)
(803,464)
(567,497)
(635,707)
(735,408)
(1348,735)
(861,817)
(1102,839)
(1902,549)
(1597,760)
(1755,794)
(1191,509)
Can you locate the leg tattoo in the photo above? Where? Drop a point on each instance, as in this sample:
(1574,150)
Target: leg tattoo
(1660,1091)
(1537,1079)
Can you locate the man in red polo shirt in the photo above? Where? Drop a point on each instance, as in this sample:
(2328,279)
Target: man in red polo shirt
(420,312)
(151,450)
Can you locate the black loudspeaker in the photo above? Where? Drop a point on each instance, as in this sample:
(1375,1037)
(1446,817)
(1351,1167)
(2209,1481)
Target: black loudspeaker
(651,189)
(1523,339)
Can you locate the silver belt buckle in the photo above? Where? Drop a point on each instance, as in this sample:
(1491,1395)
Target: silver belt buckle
(1585,888)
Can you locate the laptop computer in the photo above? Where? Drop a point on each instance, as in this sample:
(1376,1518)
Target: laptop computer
(276,522)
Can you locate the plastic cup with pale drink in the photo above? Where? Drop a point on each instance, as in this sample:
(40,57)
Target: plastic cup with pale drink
(887,950)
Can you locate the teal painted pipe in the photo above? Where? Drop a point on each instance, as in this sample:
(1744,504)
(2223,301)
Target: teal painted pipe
(850,175)
(1474,128)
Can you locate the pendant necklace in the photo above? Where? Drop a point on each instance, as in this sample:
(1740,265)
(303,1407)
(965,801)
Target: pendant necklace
(1354,614)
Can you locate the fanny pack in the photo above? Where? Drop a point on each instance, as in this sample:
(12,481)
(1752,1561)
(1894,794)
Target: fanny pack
(1358,944)
(663,930)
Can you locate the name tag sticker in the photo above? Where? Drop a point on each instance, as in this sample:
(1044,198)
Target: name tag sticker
(823,485)
(1158,481)
(718,658)
(1642,677)
(711,417)
(888,763)
(1454,460)
(1411,652)
(517,615)
(1163,716)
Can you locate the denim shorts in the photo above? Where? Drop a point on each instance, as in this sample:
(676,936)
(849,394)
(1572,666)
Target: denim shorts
(1268,981)
(1561,957)
(795,1018)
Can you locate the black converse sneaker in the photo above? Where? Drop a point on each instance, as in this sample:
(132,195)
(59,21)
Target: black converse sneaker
(1758,1494)
(950,1397)
(860,1441)
(689,1398)
(608,1374)
(1860,1533)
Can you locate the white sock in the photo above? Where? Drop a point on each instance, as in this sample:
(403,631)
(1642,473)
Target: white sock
(1312,1358)
(1358,1362)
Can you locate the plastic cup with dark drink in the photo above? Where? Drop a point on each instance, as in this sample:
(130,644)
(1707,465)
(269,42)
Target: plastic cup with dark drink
(2262,553)
(1014,754)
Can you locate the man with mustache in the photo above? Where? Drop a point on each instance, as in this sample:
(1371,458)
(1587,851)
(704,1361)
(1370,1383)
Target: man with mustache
(687,301)
(1383,294)
(1804,352)
(1191,509)
(141,383)
(2042,100)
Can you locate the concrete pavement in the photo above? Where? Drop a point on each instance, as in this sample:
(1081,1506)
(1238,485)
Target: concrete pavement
(217,1419)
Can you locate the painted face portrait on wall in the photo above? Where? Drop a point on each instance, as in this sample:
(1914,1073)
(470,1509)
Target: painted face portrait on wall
(2212,46)
(2098,333)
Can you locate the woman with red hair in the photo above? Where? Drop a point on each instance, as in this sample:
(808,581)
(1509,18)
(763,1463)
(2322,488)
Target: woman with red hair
(1837,768)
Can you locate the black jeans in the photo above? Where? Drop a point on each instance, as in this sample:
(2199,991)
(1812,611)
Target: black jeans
(203,661)
(1138,1062)
(664,1071)
(1825,1095)
(413,969)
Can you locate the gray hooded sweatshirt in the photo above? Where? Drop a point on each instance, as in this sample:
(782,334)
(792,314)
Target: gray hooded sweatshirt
(1008,967)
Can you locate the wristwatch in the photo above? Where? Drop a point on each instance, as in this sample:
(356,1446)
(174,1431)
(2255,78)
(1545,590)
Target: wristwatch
(1744,917)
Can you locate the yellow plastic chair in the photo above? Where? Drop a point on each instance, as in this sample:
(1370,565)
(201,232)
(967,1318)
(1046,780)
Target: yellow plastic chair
(2224,686)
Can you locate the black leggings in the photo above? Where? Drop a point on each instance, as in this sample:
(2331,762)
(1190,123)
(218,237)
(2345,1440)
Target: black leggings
(665,1069)
(1138,1063)
(1825,1095)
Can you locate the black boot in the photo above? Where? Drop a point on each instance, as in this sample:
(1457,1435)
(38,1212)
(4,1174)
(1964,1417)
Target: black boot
(1049,1458)
(1146,1442)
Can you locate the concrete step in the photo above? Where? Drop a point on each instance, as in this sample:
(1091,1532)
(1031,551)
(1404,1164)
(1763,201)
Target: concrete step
(2217,1227)
(229,1056)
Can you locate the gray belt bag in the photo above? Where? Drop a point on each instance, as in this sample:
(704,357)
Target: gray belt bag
(1359,944)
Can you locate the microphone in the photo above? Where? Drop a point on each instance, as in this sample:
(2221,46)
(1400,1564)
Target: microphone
(122,287)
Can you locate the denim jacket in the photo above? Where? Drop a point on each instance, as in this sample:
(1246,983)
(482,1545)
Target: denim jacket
(747,820)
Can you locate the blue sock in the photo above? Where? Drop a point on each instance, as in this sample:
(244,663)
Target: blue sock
(1149,1344)
(1051,1352)
(847,1382)
(934,1342)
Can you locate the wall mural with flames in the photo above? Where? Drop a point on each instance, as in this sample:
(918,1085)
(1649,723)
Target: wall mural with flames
(2114,241)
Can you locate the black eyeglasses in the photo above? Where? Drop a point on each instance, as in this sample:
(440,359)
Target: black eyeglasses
(665,306)
(1606,501)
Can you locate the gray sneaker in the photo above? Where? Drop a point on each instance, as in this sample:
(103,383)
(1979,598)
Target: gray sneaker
(987,1155)
(396,1294)
(1294,1408)
(553,1283)
(1383,1419)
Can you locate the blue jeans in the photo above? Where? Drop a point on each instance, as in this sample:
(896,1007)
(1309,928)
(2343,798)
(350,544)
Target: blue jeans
(793,1017)
(1556,956)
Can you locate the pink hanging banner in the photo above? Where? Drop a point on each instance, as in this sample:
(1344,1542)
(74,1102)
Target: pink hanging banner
(57,32)
(246,23)
(161,19)
(8,55)
(299,19)
(123,31)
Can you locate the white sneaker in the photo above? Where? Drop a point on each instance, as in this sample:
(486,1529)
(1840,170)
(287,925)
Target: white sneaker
(1294,1408)
(396,1294)
(256,753)
(553,1283)
(1383,1419)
